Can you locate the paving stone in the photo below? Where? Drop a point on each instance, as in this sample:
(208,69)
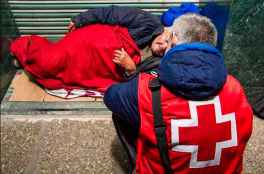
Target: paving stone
(82,145)
(60,146)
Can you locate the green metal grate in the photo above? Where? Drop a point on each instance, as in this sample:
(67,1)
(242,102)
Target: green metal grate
(50,18)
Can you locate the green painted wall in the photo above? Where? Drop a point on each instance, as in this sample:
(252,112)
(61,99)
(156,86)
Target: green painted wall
(244,48)
(7,31)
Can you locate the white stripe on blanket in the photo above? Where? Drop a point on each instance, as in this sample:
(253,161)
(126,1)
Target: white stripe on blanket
(74,93)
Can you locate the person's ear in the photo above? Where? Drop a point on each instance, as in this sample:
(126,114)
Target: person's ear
(174,39)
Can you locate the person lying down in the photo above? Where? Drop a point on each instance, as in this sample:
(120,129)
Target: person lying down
(86,58)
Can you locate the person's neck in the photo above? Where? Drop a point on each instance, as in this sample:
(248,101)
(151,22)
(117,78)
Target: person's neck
(146,52)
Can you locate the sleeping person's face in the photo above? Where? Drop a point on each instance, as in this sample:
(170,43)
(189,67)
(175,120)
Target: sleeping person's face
(161,43)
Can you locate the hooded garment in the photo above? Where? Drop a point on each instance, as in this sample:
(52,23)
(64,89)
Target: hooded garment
(82,59)
(195,71)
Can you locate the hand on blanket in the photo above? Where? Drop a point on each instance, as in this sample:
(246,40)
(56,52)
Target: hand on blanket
(124,60)
(71,27)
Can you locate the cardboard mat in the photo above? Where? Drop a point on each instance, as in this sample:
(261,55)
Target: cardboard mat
(23,89)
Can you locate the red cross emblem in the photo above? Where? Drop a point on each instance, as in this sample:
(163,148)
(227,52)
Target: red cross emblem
(208,133)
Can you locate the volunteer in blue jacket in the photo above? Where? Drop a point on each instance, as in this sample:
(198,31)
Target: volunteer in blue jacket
(191,117)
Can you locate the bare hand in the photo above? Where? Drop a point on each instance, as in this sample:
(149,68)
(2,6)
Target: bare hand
(123,59)
(71,27)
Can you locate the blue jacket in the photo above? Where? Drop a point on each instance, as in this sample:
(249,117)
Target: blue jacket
(142,25)
(195,71)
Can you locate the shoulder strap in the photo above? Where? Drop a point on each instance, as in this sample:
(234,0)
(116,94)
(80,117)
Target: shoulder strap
(159,124)
(149,64)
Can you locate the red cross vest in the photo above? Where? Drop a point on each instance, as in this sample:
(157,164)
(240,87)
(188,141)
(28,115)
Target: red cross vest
(203,137)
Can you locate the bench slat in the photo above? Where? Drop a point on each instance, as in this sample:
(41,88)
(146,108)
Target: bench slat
(35,31)
(43,23)
(81,6)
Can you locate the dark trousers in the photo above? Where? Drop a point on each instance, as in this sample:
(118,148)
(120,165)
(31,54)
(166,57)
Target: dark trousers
(127,138)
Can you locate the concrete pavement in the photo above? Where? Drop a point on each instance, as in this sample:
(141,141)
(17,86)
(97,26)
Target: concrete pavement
(81,145)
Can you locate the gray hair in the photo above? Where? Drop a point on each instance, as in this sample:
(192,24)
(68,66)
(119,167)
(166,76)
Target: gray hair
(192,27)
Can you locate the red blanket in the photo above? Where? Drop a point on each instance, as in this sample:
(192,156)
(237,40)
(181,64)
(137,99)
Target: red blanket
(82,59)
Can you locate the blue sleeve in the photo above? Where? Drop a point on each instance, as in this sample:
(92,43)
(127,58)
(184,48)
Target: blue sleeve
(142,25)
(122,99)
(106,15)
